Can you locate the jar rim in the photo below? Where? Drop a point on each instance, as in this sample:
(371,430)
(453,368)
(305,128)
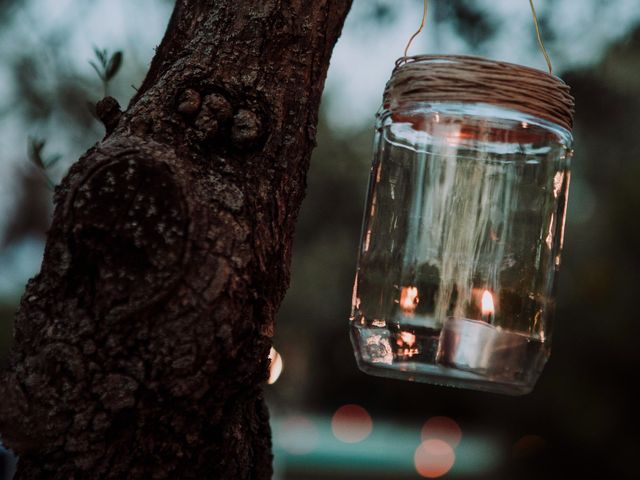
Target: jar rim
(484,110)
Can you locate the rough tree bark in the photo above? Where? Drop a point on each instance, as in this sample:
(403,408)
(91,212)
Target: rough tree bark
(141,346)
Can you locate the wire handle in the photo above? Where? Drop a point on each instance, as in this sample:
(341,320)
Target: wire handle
(424,19)
(540,42)
(535,22)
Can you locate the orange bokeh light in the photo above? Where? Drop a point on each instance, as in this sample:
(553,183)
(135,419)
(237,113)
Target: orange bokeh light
(351,424)
(434,458)
(409,299)
(407,338)
(442,428)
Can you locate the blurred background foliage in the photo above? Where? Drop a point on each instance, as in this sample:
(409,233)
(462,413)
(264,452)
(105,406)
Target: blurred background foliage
(581,420)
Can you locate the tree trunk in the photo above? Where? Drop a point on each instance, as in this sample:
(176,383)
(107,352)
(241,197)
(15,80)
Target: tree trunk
(141,346)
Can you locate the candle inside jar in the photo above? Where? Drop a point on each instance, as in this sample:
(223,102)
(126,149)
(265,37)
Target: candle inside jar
(478,344)
(463,226)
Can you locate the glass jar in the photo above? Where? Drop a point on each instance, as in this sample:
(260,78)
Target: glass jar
(463,229)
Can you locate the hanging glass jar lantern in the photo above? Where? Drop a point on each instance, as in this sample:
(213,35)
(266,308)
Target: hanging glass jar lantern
(464,222)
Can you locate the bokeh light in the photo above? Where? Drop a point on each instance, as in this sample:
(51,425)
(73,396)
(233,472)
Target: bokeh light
(351,424)
(298,435)
(434,458)
(276,366)
(442,428)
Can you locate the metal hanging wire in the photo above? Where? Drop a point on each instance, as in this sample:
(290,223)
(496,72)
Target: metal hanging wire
(424,19)
(540,42)
(535,22)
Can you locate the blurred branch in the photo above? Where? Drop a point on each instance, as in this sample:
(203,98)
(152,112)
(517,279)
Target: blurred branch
(43,163)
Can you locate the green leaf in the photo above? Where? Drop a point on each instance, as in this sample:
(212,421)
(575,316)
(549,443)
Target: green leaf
(35,152)
(115,62)
(102,56)
(36,148)
(97,69)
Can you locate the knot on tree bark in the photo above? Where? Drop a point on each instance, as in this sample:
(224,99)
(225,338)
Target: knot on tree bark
(215,114)
(189,102)
(128,220)
(246,129)
(109,113)
(216,119)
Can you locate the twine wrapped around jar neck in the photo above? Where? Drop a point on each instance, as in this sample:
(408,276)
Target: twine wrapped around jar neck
(467,79)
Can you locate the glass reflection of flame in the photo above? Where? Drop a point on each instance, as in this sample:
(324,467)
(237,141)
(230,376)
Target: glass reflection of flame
(409,299)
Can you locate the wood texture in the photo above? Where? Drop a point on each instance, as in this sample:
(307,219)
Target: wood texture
(141,347)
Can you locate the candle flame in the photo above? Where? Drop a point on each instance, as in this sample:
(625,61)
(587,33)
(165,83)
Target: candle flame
(487,303)
(409,299)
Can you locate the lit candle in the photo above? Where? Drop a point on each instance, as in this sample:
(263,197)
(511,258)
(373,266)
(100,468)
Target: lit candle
(478,345)
(487,308)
